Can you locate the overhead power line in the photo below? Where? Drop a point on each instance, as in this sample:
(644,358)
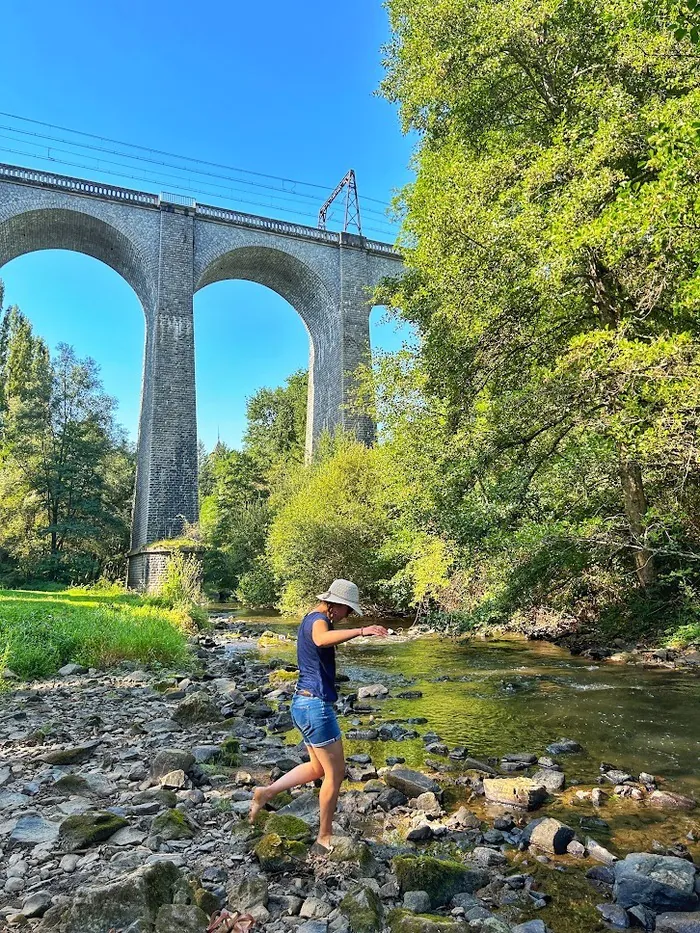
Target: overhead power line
(174,155)
(180,188)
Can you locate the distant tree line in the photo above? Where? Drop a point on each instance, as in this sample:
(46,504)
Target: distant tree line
(66,469)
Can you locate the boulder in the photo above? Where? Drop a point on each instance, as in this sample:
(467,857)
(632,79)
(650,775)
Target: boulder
(372,691)
(442,879)
(363,910)
(250,891)
(277,854)
(518,792)
(185,918)
(88,829)
(554,781)
(391,798)
(670,801)
(678,923)
(172,824)
(532,926)
(131,899)
(549,835)
(416,901)
(564,747)
(287,826)
(36,904)
(599,852)
(33,830)
(70,670)
(403,921)
(171,759)
(661,882)
(412,783)
(615,915)
(197,707)
(314,908)
(70,756)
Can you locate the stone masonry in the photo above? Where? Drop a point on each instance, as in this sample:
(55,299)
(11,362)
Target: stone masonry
(167,248)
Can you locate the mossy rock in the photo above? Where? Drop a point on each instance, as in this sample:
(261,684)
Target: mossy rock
(362,909)
(405,921)
(166,798)
(277,854)
(87,829)
(196,708)
(442,879)
(347,850)
(205,900)
(229,752)
(72,784)
(281,678)
(173,824)
(287,827)
(185,918)
(280,800)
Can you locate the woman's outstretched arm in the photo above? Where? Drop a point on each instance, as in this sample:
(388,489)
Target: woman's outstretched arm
(324,637)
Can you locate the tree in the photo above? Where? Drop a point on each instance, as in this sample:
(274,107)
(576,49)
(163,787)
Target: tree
(552,238)
(66,471)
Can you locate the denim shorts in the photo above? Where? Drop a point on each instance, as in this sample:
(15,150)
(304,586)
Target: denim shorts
(315,719)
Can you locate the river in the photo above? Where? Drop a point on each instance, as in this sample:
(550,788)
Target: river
(508,695)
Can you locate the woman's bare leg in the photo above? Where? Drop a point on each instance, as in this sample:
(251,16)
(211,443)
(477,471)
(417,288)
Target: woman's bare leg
(302,774)
(332,761)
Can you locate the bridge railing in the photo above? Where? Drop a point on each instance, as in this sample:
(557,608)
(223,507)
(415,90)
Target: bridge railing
(144,198)
(79,185)
(265,223)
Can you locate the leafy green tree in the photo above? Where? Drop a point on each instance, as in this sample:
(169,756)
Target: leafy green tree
(552,239)
(66,471)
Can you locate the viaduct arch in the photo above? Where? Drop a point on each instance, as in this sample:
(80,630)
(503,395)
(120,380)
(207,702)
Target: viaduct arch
(167,248)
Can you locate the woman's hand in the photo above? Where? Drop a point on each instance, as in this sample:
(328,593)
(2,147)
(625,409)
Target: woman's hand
(378,630)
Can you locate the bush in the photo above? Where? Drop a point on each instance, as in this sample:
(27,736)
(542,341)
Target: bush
(331,523)
(257,587)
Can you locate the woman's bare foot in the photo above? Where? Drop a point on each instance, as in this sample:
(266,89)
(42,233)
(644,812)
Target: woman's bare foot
(261,796)
(322,845)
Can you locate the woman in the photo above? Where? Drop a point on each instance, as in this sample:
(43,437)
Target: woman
(312,705)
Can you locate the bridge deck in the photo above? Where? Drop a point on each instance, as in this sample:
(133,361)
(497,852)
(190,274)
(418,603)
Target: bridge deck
(94,189)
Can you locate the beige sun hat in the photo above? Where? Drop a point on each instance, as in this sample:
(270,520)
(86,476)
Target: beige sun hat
(345,592)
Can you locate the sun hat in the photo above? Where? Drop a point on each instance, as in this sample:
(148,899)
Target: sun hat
(345,592)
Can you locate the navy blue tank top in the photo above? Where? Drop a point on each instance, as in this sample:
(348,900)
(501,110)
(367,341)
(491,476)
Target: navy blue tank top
(316,664)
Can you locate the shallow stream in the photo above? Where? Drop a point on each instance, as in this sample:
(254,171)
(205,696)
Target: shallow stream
(511,695)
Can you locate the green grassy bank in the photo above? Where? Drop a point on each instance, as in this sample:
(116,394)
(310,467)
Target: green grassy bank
(40,631)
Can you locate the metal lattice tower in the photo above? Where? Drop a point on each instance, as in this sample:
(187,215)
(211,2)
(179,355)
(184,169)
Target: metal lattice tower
(352,203)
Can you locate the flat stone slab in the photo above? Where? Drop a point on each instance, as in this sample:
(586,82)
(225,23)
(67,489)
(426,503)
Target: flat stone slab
(33,830)
(661,882)
(412,783)
(518,792)
(678,923)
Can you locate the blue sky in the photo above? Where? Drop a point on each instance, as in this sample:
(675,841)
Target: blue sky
(277,88)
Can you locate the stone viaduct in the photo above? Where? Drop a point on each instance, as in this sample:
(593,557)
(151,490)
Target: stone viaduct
(167,247)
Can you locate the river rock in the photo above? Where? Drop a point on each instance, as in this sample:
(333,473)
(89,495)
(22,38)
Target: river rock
(70,756)
(196,708)
(172,824)
(615,915)
(661,882)
(521,792)
(87,829)
(171,759)
(391,798)
(251,891)
(131,899)
(412,783)
(36,904)
(668,800)
(34,830)
(70,670)
(599,852)
(531,926)
(678,923)
(363,909)
(417,901)
(442,879)
(550,835)
(564,747)
(185,918)
(372,691)
(553,780)
(278,855)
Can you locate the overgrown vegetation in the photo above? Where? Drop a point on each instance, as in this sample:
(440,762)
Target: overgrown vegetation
(94,626)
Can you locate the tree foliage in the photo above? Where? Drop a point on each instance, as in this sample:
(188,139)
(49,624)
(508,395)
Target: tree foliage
(66,471)
(552,237)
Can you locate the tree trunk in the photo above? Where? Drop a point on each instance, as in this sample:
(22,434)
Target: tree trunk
(635,509)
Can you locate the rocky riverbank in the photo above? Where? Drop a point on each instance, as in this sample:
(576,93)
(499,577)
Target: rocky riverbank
(123,798)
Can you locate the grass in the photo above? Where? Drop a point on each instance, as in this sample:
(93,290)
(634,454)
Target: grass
(41,631)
